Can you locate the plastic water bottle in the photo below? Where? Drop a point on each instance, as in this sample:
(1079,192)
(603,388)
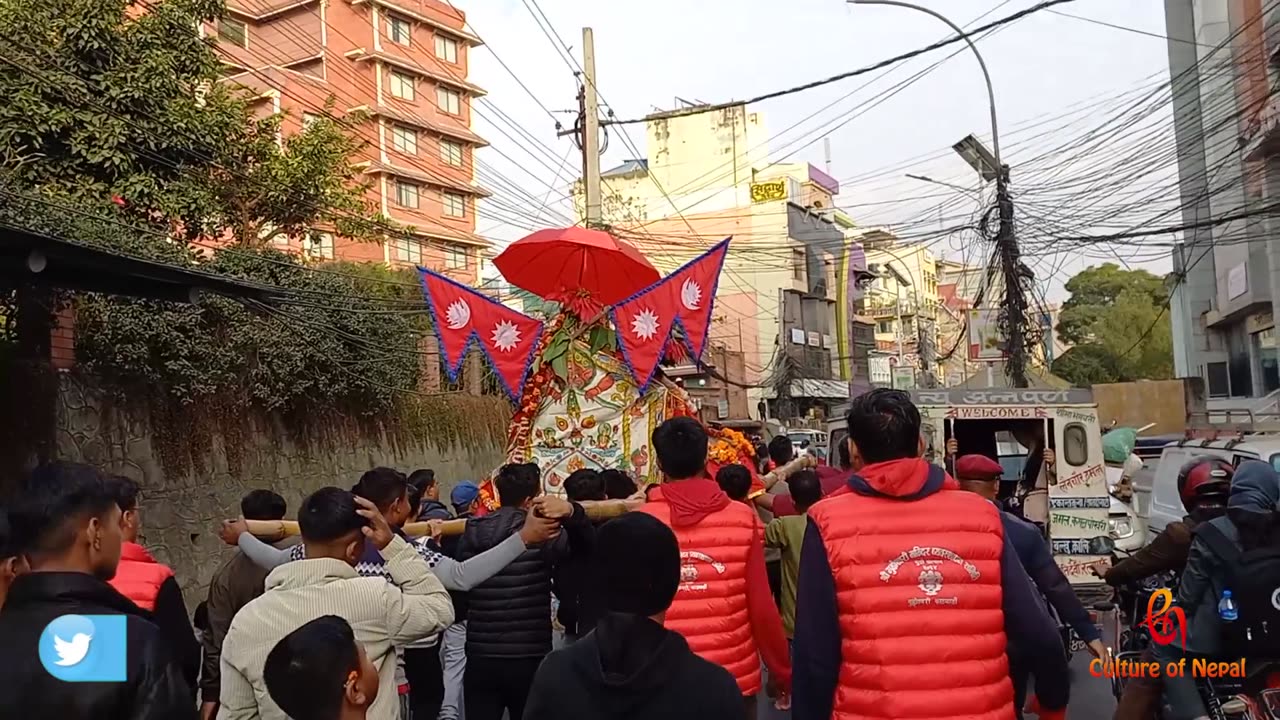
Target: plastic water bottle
(1228,611)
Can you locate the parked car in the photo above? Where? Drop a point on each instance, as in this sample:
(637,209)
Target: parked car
(1165,505)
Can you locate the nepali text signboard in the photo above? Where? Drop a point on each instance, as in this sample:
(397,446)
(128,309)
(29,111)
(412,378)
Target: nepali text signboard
(769,191)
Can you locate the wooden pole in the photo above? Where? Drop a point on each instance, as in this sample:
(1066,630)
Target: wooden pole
(595,509)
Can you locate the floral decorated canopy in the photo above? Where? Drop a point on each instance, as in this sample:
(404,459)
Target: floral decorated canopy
(586,384)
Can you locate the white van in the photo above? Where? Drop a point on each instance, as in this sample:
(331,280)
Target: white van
(1164,503)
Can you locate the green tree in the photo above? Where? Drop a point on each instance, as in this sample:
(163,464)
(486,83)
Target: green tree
(1117,320)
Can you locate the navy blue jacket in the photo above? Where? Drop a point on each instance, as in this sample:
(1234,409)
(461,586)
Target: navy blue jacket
(815,660)
(1037,560)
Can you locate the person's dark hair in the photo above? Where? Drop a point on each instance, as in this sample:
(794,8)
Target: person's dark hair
(329,514)
(681,446)
(781,451)
(885,425)
(843,460)
(735,481)
(617,484)
(382,486)
(52,501)
(636,560)
(423,478)
(584,484)
(126,492)
(306,672)
(200,618)
(805,488)
(263,505)
(518,482)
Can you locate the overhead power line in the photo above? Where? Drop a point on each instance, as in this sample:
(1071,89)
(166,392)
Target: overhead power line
(852,73)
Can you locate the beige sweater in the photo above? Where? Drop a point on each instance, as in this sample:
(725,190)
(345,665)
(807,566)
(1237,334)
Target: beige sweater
(383,615)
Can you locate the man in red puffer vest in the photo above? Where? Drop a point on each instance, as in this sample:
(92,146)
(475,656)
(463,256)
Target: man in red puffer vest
(723,607)
(152,586)
(910,596)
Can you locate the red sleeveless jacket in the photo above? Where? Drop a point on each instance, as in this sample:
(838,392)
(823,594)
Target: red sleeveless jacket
(710,609)
(916,565)
(139,576)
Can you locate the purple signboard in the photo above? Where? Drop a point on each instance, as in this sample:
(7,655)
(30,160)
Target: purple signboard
(824,181)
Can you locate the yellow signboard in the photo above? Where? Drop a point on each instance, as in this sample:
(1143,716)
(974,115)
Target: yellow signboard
(769,191)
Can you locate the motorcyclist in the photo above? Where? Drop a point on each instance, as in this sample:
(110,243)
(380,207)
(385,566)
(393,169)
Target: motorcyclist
(1203,486)
(1250,522)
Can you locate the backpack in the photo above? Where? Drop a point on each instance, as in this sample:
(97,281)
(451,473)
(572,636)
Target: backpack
(1253,577)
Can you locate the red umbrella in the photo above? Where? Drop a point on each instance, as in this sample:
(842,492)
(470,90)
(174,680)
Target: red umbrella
(582,268)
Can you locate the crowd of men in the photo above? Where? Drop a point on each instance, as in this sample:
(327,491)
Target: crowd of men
(900,593)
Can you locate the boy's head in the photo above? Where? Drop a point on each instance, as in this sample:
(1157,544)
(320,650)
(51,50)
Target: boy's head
(320,672)
(979,474)
(681,446)
(637,561)
(263,505)
(781,451)
(584,484)
(518,484)
(465,498)
(883,425)
(66,515)
(389,490)
(330,526)
(425,481)
(735,481)
(617,484)
(805,489)
(126,492)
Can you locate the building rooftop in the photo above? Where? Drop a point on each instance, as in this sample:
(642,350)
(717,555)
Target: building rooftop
(627,168)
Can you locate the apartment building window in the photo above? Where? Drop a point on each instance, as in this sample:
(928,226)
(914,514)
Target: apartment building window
(798,265)
(451,152)
(455,205)
(404,139)
(401,85)
(234,32)
(456,257)
(309,119)
(448,101)
(409,251)
(446,49)
(407,194)
(399,30)
(318,245)
(884,327)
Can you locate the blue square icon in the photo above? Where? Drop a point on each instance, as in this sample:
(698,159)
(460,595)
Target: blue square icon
(85,648)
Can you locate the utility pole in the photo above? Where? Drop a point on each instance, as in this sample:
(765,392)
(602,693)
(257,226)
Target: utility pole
(586,132)
(1013,311)
(590,109)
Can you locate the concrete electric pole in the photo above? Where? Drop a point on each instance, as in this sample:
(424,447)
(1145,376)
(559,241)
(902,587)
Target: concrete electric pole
(590,109)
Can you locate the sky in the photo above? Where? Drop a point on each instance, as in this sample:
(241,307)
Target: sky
(1055,79)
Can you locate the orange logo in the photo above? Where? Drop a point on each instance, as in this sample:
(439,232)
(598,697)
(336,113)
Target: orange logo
(1168,622)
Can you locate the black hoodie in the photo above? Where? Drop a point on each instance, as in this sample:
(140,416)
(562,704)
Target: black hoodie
(632,668)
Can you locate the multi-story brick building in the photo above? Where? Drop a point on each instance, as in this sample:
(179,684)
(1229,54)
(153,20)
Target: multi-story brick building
(396,70)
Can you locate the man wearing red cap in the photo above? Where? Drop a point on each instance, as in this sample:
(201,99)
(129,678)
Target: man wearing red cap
(980,474)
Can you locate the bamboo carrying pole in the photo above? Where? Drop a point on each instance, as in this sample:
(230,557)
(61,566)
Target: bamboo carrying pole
(595,509)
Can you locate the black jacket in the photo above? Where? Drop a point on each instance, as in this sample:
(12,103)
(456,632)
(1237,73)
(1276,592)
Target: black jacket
(631,668)
(433,510)
(509,615)
(155,688)
(580,598)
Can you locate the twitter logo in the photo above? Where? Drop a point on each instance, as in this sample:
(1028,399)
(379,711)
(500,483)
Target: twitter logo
(85,648)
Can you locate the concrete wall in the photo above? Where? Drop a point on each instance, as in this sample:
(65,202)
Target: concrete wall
(1134,404)
(180,513)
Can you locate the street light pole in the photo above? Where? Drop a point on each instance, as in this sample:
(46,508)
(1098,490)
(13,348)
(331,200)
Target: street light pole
(1015,302)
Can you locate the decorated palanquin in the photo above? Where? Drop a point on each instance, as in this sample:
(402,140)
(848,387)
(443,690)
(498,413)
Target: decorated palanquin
(587,385)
